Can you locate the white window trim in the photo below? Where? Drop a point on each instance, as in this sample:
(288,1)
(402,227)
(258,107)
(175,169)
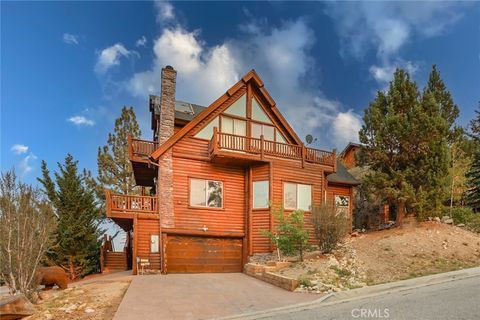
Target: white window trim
(206,194)
(297,195)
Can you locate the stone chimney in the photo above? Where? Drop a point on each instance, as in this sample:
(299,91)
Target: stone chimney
(165,131)
(167,104)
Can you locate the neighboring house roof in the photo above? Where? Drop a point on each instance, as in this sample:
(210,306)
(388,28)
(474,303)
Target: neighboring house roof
(349,146)
(187,111)
(250,76)
(342,176)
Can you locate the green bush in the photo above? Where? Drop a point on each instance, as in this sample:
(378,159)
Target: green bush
(330,225)
(459,214)
(290,236)
(474,223)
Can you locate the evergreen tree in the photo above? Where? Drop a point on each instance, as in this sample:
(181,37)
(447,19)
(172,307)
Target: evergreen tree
(77,234)
(448,109)
(387,140)
(114,168)
(405,145)
(473,184)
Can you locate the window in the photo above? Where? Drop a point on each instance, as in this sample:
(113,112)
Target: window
(280,137)
(238,108)
(234,126)
(207,131)
(342,203)
(260,194)
(297,196)
(267,131)
(206,193)
(154,247)
(258,113)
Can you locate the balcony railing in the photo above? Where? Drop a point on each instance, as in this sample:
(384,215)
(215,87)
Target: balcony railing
(140,150)
(122,203)
(258,146)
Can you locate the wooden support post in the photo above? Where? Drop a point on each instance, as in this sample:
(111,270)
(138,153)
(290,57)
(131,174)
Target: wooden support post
(303,156)
(215,140)
(261,146)
(135,245)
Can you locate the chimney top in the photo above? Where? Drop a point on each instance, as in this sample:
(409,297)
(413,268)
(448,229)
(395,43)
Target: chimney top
(169,67)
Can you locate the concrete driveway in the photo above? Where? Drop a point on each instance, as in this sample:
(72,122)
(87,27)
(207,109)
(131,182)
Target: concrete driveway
(201,296)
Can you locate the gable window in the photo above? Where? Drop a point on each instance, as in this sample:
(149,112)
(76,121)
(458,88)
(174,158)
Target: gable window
(206,193)
(238,108)
(234,126)
(260,194)
(267,131)
(258,113)
(207,131)
(297,196)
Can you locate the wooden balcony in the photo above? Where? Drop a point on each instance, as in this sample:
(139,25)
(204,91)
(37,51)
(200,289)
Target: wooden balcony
(122,206)
(139,152)
(226,145)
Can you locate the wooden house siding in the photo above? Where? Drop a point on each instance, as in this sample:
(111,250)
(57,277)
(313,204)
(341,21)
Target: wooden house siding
(146,228)
(261,218)
(290,171)
(230,218)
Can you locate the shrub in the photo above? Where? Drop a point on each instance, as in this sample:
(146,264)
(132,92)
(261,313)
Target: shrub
(290,236)
(459,215)
(330,225)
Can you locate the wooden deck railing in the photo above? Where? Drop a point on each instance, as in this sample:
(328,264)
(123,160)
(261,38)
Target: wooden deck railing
(122,203)
(230,142)
(140,149)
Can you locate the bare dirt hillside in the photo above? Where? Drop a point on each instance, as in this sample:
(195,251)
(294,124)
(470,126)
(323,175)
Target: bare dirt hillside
(96,298)
(389,255)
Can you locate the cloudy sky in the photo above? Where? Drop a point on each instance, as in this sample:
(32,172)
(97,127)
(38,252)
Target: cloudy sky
(68,68)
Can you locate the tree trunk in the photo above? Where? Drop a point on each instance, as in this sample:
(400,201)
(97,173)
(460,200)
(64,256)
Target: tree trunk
(400,211)
(71,265)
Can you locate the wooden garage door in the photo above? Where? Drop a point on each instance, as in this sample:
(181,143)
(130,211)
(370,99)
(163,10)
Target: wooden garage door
(187,254)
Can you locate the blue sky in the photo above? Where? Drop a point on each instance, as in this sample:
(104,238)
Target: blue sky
(67,68)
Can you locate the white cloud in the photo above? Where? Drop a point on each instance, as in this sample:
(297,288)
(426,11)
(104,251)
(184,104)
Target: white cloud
(165,11)
(19,149)
(387,27)
(346,126)
(70,38)
(110,57)
(81,121)
(281,55)
(25,166)
(141,42)
(384,74)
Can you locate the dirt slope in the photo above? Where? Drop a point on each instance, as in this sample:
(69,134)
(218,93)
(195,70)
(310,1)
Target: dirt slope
(389,255)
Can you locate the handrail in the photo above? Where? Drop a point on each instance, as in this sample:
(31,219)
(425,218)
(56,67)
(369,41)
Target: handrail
(130,203)
(260,146)
(141,148)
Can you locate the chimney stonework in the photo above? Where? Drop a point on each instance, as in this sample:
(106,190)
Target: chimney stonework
(166,126)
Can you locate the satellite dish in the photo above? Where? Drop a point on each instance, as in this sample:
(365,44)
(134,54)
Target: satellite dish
(309,138)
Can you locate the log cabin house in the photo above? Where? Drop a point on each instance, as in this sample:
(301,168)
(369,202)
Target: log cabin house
(216,173)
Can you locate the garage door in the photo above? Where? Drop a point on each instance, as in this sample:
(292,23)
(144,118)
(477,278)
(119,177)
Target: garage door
(187,254)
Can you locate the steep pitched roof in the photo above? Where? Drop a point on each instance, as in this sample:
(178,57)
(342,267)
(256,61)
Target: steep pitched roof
(342,176)
(349,146)
(250,76)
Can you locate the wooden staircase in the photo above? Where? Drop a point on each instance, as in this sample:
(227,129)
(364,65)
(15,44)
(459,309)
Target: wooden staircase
(115,261)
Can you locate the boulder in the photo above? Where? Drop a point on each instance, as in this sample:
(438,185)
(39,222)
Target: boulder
(448,221)
(15,307)
(50,276)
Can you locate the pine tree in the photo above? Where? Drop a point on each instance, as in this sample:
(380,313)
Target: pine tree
(77,234)
(448,109)
(473,184)
(405,146)
(114,168)
(387,140)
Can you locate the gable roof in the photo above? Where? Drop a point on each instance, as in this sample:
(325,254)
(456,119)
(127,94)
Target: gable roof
(342,176)
(250,76)
(349,146)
